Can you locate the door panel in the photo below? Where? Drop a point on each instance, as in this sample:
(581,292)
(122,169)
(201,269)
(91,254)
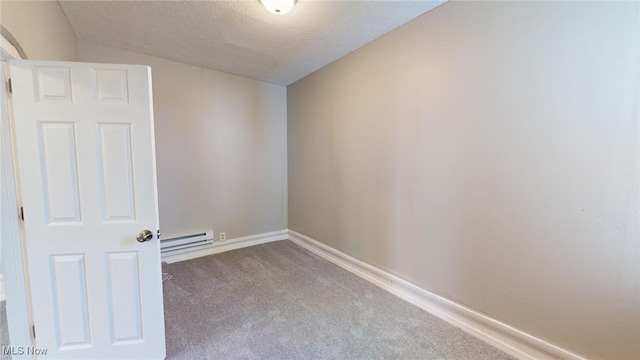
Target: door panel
(59,171)
(70,301)
(124,298)
(86,165)
(52,83)
(111,85)
(116,172)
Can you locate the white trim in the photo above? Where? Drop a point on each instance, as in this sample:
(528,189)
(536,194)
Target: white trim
(15,280)
(8,51)
(504,337)
(230,244)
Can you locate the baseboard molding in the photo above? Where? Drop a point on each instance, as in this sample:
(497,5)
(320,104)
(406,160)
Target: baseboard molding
(230,244)
(504,337)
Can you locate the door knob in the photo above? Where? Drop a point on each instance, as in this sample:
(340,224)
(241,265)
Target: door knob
(145,235)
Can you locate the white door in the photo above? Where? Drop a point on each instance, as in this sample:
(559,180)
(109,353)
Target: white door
(87,183)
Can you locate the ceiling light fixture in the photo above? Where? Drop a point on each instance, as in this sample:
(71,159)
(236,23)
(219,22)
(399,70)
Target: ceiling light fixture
(278,7)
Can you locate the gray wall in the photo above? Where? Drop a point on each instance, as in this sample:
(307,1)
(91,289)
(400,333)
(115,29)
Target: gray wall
(488,152)
(41,28)
(221,146)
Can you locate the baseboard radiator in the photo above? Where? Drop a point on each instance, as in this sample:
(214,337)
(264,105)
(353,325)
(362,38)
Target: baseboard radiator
(186,243)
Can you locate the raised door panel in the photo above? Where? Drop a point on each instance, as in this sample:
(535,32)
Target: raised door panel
(125,314)
(70,302)
(59,171)
(115,165)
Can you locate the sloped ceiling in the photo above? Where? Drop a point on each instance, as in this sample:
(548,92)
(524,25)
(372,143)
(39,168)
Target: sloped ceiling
(241,37)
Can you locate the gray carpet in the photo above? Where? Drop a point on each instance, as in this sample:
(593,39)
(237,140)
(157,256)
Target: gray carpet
(4,331)
(280,301)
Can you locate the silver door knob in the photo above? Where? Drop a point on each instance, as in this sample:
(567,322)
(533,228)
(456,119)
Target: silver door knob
(145,235)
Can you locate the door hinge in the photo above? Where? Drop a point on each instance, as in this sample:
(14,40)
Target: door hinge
(33,331)
(22,213)
(9,86)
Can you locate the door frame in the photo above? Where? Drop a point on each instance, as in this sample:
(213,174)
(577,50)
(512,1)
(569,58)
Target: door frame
(13,260)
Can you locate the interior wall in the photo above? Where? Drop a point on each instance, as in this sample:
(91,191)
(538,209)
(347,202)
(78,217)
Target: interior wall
(41,28)
(488,152)
(221,146)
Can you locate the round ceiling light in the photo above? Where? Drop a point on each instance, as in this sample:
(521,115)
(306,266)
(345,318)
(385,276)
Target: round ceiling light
(278,7)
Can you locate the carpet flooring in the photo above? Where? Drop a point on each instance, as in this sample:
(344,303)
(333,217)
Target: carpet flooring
(4,330)
(280,301)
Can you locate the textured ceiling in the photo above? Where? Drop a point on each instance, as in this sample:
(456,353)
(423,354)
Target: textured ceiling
(241,37)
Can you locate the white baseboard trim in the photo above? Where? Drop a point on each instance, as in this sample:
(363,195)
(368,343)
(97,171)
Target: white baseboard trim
(504,337)
(228,245)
